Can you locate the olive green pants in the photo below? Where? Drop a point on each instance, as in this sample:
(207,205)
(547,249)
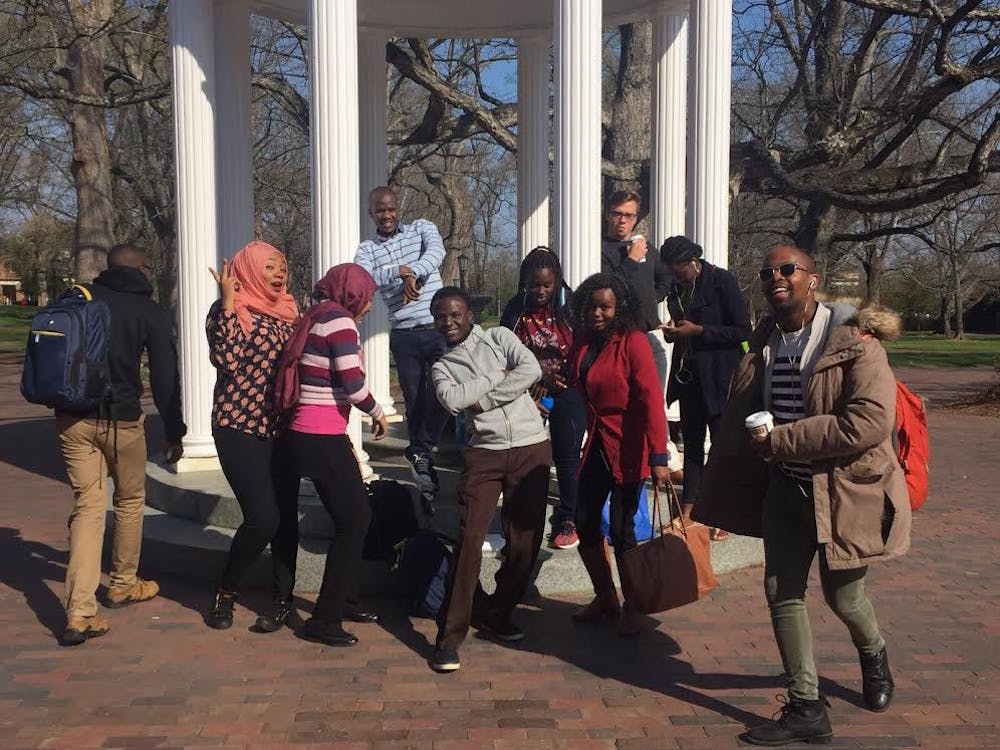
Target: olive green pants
(789,548)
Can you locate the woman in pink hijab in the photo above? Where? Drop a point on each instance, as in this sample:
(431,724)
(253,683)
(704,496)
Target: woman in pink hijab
(325,355)
(247,330)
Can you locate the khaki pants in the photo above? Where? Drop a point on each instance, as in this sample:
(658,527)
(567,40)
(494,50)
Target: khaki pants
(93,451)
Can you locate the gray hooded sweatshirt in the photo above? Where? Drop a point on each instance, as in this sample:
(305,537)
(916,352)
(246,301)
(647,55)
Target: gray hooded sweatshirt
(499,412)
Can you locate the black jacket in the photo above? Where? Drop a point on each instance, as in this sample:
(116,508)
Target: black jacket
(649,280)
(718,306)
(139,324)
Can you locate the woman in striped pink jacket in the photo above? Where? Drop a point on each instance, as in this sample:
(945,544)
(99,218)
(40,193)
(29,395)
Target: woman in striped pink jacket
(331,378)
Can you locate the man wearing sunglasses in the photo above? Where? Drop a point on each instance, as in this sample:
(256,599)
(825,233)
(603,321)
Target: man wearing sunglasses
(824,480)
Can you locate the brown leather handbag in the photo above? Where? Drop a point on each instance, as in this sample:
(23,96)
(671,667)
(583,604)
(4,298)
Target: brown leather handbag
(672,569)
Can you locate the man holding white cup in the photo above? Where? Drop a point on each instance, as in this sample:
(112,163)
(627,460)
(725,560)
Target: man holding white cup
(625,254)
(804,458)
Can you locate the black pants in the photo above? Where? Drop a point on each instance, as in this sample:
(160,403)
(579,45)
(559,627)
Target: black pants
(567,426)
(694,424)
(268,494)
(329,461)
(596,482)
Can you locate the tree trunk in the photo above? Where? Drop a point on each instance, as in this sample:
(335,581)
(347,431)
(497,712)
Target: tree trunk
(628,135)
(956,283)
(91,164)
(874,270)
(946,315)
(814,234)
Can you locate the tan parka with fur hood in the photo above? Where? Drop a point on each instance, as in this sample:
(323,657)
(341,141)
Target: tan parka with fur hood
(861,502)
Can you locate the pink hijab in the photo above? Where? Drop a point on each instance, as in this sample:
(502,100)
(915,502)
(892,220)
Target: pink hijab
(346,288)
(256,295)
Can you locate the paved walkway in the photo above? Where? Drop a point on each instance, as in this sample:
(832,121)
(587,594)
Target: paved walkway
(160,679)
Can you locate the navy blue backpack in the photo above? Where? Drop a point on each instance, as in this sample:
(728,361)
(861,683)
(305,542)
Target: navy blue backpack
(424,560)
(66,359)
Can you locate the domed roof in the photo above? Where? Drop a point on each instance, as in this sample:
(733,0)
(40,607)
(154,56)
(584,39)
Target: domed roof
(468,18)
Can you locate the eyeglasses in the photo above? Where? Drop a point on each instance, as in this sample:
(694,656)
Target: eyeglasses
(785,269)
(621,215)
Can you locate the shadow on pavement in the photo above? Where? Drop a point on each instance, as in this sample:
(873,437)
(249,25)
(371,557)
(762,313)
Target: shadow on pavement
(32,445)
(25,566)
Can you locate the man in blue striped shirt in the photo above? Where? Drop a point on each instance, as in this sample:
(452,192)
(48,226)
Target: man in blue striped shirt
(404,260)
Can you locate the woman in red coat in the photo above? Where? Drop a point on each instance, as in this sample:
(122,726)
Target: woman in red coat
(626,433)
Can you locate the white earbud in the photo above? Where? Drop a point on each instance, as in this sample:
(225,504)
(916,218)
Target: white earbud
(812,284)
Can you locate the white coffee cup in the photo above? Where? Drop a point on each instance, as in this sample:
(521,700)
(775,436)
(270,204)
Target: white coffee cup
(759,424)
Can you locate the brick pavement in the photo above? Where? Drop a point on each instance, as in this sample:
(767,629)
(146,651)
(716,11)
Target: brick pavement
(160,679)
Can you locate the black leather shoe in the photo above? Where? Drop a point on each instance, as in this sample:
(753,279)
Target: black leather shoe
(876,681)
(356,614)
(220,616)
(282,613)
(328,633)
(798,721)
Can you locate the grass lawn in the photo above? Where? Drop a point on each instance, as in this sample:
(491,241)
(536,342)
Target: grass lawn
(14,320)
(934,350)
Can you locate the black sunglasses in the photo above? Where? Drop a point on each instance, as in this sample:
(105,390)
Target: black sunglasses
(785,269)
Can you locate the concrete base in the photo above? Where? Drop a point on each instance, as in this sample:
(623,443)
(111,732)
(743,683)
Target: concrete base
(192,518)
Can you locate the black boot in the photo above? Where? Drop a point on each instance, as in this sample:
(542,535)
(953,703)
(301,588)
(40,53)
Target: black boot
(282,613)
(220,616)
(799,721)
(876,681)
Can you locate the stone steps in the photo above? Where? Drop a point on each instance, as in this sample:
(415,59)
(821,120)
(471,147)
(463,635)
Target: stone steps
(191,520)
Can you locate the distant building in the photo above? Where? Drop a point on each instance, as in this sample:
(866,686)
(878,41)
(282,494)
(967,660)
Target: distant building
(10,286)
(846,282)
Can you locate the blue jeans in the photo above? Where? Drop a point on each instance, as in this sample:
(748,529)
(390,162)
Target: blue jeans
(567,425)
(414,352)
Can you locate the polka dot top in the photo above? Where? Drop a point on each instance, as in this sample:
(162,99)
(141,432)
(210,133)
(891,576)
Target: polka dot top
(245,365)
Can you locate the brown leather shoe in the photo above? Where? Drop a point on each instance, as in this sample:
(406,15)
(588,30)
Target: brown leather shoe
(140,591)
(79,629)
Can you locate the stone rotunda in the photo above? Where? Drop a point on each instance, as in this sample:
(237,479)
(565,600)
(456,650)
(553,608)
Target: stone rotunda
(210,42)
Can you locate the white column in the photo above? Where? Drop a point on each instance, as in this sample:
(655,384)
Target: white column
(234,162)
(374,172)
(669,127)
(578,137)
(333,125)
(192,41)
(532,143)
(709,95)
(667,141)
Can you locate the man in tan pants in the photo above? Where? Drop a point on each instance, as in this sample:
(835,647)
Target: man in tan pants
(111,442)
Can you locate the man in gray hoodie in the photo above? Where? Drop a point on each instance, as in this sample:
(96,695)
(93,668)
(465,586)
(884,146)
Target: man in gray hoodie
(487,374)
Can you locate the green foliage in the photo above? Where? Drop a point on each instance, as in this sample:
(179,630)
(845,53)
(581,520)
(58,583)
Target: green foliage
(934,350)
(14,321)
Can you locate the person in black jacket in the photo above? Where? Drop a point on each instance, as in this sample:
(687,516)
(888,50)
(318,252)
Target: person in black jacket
(625,255)
(709,323)
(111,440)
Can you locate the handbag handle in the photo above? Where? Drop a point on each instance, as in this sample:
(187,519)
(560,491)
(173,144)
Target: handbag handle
(673,506)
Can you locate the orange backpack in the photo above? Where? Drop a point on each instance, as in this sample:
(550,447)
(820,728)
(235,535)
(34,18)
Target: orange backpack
(912,444)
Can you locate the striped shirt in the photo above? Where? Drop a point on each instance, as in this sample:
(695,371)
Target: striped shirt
(331,369)
(417,245)
(786,393)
